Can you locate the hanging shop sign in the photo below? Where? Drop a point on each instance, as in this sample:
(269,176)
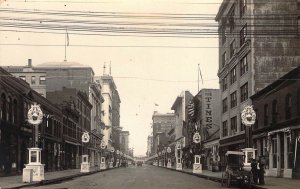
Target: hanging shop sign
(35,114)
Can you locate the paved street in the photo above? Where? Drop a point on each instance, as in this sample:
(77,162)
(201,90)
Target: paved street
(146,177)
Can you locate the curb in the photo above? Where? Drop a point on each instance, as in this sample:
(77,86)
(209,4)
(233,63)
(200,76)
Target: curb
(56,180)
(212,178)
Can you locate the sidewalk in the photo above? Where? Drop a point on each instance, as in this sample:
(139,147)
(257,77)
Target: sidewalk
(271,182)
(12,182)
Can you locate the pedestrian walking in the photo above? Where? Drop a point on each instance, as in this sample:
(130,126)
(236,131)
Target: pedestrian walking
(254,170)
(261,171)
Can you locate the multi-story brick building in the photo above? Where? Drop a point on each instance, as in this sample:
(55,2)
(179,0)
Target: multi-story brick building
(258,43)
(16,134)
(276,132)
(161,125)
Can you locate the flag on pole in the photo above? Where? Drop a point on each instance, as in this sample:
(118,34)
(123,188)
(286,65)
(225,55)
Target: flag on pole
(200,74)
(67,37)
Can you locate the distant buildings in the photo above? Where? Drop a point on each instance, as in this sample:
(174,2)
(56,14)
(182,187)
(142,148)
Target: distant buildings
(149,145)
(181,116)
(161,124)
(252,53)
(124,141)
(77,101)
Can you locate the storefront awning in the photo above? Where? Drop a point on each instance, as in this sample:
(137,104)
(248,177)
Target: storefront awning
(74,143)
(232,143)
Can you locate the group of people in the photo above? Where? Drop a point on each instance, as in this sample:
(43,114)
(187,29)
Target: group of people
(258,171)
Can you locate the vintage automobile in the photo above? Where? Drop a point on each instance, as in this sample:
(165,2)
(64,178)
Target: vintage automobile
(234,170)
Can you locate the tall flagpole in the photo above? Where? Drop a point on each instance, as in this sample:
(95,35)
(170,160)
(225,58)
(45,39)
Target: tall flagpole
(198,77)
(66,46)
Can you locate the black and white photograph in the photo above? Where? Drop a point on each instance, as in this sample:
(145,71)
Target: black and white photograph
(152,94)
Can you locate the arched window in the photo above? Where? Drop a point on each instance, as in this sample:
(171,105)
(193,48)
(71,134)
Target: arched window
(15,116)
(3,107)
(10,110)
(288,106)
(274,112)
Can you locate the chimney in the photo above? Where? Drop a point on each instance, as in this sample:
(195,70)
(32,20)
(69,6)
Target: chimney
(29,63)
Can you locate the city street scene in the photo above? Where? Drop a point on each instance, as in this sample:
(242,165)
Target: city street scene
(155,94)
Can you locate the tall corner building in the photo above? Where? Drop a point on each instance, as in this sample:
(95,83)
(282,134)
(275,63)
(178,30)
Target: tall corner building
(259,42)
(110,110)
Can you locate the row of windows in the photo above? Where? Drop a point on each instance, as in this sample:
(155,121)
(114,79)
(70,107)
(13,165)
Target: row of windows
(288,105)
(233,98)
(233,126)
(8,109)
(233,73)
(33,81)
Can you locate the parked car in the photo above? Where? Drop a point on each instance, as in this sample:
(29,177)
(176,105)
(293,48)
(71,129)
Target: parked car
(139,163)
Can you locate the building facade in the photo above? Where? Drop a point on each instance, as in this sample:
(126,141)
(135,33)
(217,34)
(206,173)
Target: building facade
(209,120)
(276,133)
(36,79)
(161,125)
(149,145)
(124,142)
(181,116)
(252,53)
(16,134)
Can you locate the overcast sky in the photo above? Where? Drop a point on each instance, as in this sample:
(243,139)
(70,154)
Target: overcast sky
(147,70)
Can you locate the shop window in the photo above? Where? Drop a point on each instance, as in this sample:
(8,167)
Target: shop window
(290,152)
(288,106)
(274,151)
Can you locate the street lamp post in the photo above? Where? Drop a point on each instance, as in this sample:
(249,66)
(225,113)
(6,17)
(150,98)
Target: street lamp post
(34,170)
(248,119)
(85,165)
(178,156)
(102,158)
(169,165)
(111,163)
(197,166)
(118,159)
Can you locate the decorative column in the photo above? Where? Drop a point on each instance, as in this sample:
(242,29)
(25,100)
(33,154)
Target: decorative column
(169,165)
(248,119)
(111,163)
(117,158)
(102,158)
(85,164)
(34,170)
(178,156)
(197,166)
